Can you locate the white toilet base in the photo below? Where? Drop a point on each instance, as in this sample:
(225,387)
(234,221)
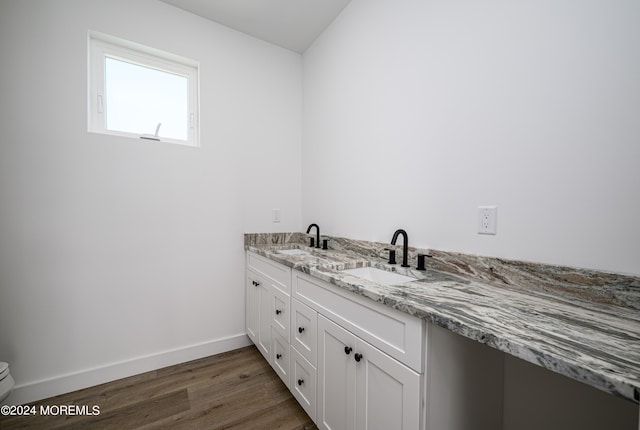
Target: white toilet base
(6,383)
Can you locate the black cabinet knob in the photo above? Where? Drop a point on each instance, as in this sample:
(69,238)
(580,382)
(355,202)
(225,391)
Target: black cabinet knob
(300,381)
(347,350)
(300,329)
(278,311)
(358,356)
(278,356)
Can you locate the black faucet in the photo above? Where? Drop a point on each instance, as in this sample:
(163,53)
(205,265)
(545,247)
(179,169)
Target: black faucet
(405,245)
(392,255)
(317,241)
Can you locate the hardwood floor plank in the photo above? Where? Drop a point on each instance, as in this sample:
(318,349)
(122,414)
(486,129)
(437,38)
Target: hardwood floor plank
(138,414)
(234,390)
(217,405)
(285,415)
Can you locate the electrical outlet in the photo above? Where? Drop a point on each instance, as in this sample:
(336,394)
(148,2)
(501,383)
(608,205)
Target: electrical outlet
(487,219)
(275,215)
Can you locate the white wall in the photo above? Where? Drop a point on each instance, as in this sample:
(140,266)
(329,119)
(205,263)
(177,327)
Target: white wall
(416,112)
(567,404)
(472,386)
(119,255)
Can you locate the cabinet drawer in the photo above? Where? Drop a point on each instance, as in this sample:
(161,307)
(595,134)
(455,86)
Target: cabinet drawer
(280,356)
(280,316)
(277,273)
(304,330)
(303,383)
(396,333)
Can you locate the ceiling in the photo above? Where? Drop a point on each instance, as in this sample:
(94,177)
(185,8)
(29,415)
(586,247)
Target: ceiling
(292,24)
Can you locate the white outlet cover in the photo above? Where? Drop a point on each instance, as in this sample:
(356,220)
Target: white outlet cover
(275,215)
(487,219)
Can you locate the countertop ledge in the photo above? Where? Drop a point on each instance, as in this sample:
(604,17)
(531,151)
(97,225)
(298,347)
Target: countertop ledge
(583,324)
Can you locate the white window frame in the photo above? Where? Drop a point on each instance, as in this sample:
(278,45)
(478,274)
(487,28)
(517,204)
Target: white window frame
(101,45)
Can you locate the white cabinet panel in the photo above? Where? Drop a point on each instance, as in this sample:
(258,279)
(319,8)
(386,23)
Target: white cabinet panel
(264,317)
(465,383)
(280,356)
(336,377)
(258,312)
(280,318)
(252,307)
(387,392)
(303,383)
(304,330)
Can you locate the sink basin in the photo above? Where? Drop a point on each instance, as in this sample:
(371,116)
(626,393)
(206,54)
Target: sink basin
(293,252)
(379,276)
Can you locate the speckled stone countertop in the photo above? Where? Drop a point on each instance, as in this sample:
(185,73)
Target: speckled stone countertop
(580,323)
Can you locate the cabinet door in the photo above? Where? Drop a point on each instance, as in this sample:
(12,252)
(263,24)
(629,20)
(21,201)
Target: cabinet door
(387,392)
(253,307)
(264,316)
(336,377)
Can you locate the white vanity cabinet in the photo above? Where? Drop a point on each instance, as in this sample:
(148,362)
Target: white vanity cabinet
(353,363)
(350,362)
(360,387)
(364,354)
(268,302)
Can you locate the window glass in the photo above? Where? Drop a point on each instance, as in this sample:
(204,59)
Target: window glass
(141,92)
(138,98)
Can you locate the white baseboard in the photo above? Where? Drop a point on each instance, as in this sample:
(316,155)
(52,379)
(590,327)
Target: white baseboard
(38,390)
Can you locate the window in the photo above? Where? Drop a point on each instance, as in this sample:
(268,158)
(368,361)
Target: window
(141,92)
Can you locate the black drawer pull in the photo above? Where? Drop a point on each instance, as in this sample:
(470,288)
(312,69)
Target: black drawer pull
(347,350)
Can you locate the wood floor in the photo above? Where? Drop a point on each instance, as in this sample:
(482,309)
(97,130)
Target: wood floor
(233,390)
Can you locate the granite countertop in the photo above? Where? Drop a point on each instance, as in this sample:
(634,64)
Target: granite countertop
(580,323)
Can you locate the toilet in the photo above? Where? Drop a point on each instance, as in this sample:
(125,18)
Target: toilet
(6,381)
